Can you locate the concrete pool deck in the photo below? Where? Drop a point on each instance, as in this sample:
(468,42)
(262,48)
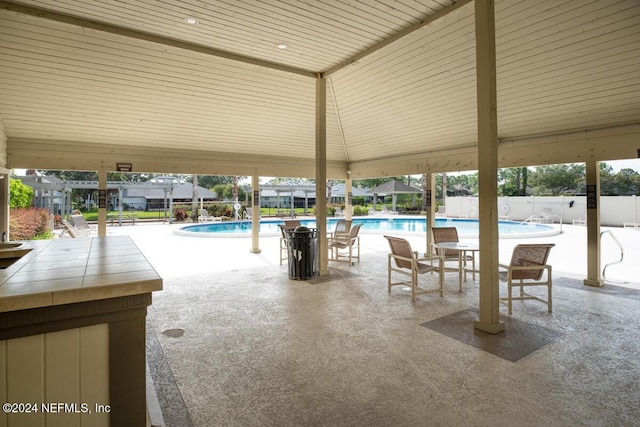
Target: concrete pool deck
(232,341)
(176,255)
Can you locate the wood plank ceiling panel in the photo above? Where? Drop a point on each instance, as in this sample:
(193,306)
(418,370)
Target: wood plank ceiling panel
(320,34)
(415,95)
(128,91)
(567,65)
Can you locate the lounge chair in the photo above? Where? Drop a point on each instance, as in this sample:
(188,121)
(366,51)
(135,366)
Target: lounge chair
(407,262)
(205,216)
(450,234)
(385,211)
(527,267)
(79,222)
(73,231)
(442,212)
(580,221)
(546,216)
(339,213)
(347,242)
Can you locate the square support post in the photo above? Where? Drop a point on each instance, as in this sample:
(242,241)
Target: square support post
(489,311)
(594,277)
(321,174)
(255,218)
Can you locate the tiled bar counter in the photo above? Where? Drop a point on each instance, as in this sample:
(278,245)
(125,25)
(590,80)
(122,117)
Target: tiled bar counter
(72,332)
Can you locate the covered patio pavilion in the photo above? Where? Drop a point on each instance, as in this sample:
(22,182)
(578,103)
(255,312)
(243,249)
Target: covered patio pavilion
(433,88)
(332,90)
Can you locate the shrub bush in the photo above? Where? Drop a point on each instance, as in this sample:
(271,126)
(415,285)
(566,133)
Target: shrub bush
(28,223)
(180,214)
(360,210)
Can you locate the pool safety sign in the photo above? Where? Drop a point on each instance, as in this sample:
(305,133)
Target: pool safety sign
(124,167)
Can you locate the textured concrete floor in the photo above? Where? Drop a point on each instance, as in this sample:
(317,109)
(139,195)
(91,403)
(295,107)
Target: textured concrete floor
(259,349)
(232,341)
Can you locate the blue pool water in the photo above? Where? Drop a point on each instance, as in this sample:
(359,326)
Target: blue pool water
(466,227)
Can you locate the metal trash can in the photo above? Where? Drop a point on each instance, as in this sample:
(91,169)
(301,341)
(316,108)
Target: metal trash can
(302,246)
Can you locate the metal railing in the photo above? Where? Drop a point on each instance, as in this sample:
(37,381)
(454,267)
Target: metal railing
(615,239)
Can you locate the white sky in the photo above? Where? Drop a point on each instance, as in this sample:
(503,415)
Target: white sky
(615,164)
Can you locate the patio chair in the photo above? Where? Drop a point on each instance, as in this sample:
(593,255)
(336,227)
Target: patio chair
(407,262)
(450,234)
(343,226)
(442,212)
(348,242)
(527,267)
(289,225)
(339,212)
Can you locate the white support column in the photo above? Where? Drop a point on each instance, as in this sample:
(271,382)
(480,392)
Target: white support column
(321,174)
(348,197)
(594,277)
(489,320)
(102,211)
(4,206)
(430,213)
(255,218)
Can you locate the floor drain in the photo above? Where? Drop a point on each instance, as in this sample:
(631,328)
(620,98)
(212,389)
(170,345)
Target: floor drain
(173,333)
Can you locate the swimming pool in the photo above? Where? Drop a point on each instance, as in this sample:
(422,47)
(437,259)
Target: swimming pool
(467,228)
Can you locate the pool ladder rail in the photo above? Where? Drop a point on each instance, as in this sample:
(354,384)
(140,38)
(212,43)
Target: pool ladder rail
(617,242)
(529,222)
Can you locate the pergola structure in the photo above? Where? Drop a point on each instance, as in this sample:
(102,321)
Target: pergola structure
(329,90)
(65,187)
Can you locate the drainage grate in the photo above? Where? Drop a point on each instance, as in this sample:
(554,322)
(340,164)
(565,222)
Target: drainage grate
(173,333)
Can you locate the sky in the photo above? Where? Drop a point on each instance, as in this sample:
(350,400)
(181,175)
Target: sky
(617,165)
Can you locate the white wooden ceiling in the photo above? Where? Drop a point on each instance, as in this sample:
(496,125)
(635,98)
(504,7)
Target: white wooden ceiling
(401,76)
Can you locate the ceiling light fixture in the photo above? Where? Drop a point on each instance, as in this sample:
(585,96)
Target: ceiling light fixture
(191,20)
(282,45)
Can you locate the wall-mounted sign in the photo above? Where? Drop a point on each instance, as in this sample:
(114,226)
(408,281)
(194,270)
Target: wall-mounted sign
(592,197)
(124,167)
(102,199)
(256,198)
(428,198)
(350,197)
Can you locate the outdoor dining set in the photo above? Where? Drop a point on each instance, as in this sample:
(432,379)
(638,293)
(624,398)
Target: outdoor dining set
(528,266)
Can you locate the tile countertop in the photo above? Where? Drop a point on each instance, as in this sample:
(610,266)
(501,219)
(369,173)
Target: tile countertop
(66,271)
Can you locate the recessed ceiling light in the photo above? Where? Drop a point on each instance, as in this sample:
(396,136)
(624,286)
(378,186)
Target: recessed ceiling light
(282,45)
(191,20)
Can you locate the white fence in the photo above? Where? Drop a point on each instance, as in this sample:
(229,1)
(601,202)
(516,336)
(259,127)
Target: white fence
(614,210)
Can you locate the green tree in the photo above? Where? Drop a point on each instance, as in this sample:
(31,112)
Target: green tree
(210,181)
(554,180)
(624,183)
(20,195)
(225,192)
(513,181)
